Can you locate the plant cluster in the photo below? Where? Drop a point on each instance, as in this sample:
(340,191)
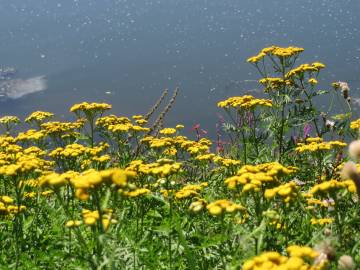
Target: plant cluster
(116,192)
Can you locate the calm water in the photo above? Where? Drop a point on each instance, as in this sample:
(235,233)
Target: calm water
(126,52)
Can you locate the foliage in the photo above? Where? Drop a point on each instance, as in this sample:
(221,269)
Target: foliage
(112,192)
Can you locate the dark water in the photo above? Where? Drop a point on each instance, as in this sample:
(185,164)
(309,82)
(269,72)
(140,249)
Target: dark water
(126,52)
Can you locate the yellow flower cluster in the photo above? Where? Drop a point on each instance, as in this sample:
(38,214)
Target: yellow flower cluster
(108,120)
(87,180)
(179,142)
(297,260)
(286,52)
(206,157)
(90,107)
(123,128)
(7,207)
(277,51)
(72,223)
(299,71)
(137,192)
(167,131)
(220,207)
(55,180)
(25,164)
(321,221)
(121,124)
(160,168)
(35,151)
(91,217)
(256,58)
(30,135)
(56,128)
(101,159)
(39,116)
(274,83)
(246,102)
(75,150)
(91,179)
(9,120)
(332,185)
(226,162)
(317,144)
(252,177)
(312,81)
(287,192)
(322,203)
(190,191)
(6,140)
(355,124)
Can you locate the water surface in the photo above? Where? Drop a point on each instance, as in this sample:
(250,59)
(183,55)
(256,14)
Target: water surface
(126,52)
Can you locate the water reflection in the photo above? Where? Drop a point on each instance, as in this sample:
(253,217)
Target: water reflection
(133,49)
(17,88)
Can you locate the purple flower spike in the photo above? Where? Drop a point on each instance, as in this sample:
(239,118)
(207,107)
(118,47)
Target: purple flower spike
(307,130)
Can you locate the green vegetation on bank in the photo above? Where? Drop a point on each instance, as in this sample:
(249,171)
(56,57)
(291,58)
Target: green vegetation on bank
(275,190)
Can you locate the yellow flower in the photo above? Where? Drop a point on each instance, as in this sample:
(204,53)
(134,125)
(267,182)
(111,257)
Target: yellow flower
(355,124)
(39,116)
(298,259)
(87,107)
(137,192)
(252,177)
(72,223)
(9,120)
(321,221)
(137,117)
(333,185)
(286,192)
(224,206)
(256,58)
(244,102)
(168,131)
(317,144)
(312,81)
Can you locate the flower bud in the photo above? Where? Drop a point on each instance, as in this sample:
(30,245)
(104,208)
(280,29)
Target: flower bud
(327,232)
(354,149)
(349,171)
(345,262)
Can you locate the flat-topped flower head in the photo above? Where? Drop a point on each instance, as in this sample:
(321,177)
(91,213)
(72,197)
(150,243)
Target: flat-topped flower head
(317,144)
(286,51)
(280,52)
(304,68)
(327,187)
(274,83)
(8,122)
(253,177)
(300,257)
(355,124)
(9,119)
(167,131)
(285,192)
(220,207)
(38,117)
(85,107)
(244,102)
